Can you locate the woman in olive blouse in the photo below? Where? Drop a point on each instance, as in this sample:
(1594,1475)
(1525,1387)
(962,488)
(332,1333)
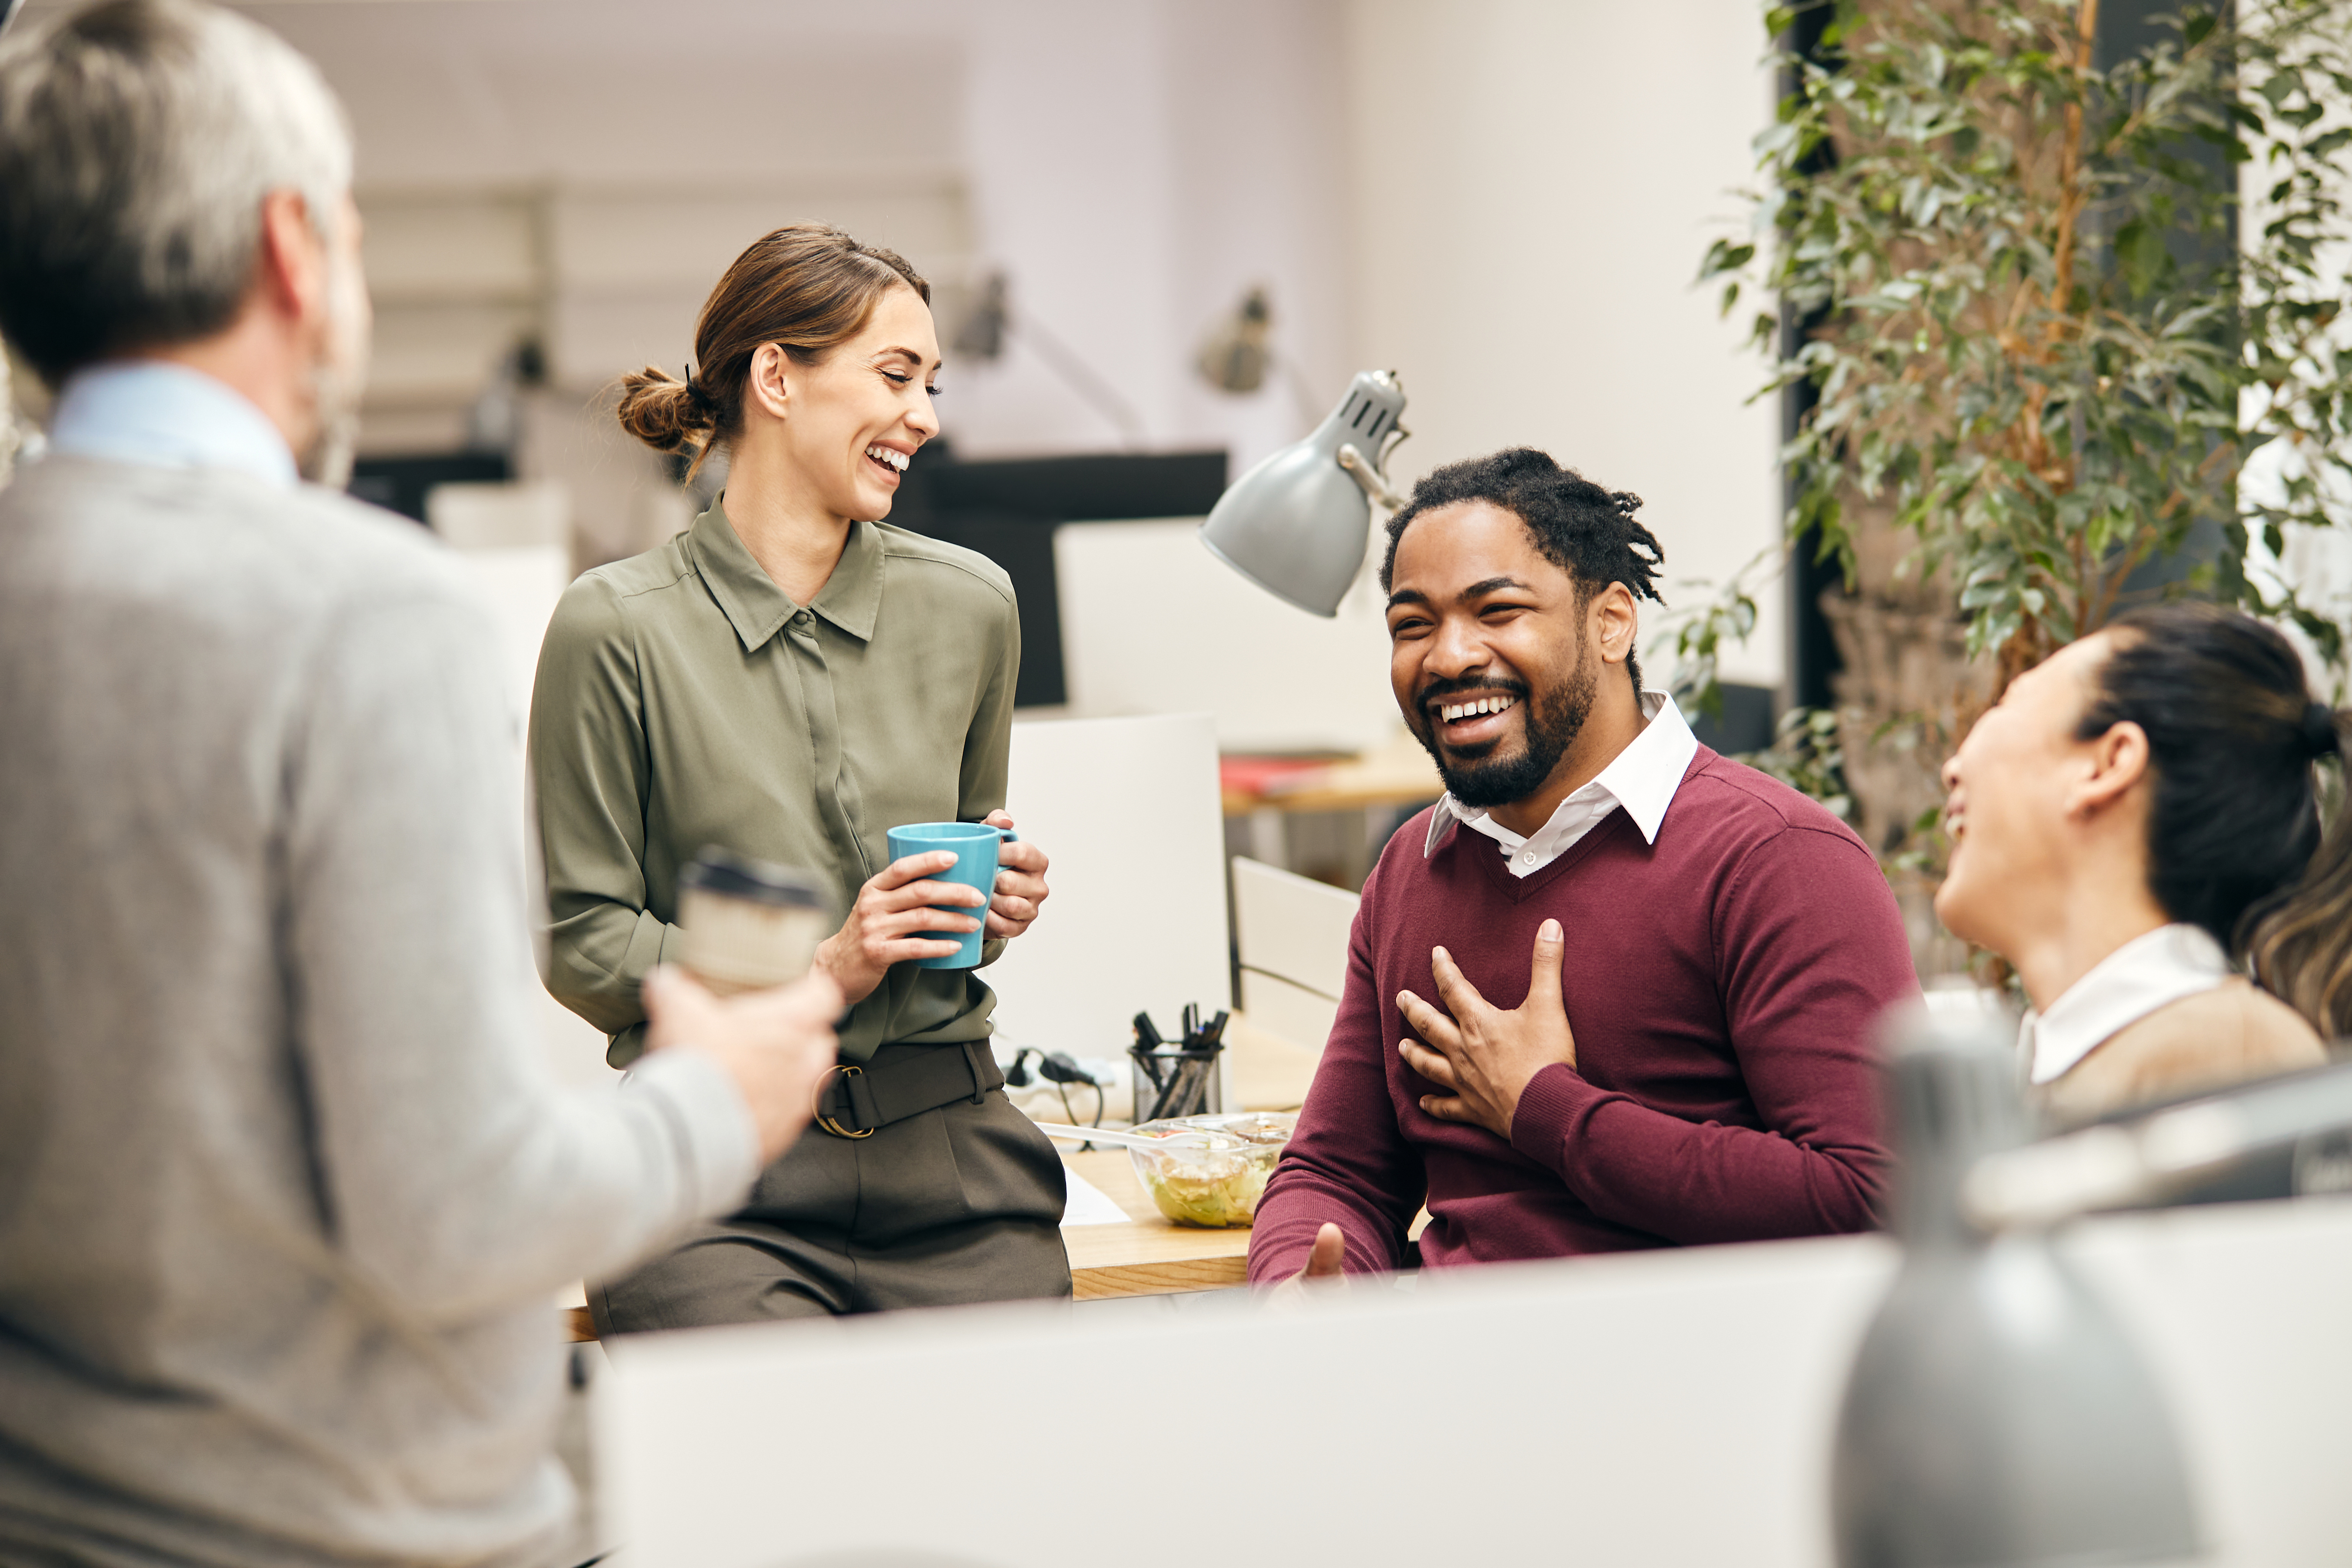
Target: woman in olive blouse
(789,680)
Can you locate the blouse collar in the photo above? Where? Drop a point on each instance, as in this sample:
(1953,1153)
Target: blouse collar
(2147,972)
(851,598)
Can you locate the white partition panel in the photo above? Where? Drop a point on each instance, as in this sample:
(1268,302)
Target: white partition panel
(1669,1409)
(1301,1016)
(1293,927)
(1128,809)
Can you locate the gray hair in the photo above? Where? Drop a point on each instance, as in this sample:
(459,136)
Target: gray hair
(138,139)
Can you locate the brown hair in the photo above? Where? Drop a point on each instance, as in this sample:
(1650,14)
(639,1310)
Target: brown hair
(2235,835)
(2301,945)
(808,288)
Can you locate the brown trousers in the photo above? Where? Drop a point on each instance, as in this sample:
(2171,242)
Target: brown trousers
(959,1205)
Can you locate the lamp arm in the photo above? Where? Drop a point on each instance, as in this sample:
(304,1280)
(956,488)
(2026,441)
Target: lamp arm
(1375,484)
(2119,1163)
(1067,364)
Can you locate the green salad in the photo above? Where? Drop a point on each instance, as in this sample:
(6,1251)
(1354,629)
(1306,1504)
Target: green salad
(1213,1189)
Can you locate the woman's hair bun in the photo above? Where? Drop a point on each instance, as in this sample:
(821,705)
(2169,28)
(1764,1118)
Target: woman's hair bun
(665,413)
(2319,734)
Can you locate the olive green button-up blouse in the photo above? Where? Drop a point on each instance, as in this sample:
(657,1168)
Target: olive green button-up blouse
(684,701)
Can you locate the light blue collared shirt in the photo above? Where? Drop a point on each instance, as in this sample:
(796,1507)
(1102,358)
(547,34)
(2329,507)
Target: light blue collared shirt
(167,416)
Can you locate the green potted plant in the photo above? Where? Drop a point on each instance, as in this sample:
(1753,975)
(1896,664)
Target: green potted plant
(2058,314)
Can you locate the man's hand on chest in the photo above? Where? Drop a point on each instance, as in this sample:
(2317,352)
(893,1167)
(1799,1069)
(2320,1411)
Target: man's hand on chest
(1483,1057)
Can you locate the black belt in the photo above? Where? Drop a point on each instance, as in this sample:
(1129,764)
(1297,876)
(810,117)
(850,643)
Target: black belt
(853,1100)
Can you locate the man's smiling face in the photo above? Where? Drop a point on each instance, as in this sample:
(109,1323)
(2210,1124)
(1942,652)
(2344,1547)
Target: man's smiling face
(1487,651)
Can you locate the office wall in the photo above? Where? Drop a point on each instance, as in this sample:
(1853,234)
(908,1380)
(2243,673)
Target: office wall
(1135,168)
(582,169)
(1530,187)
(1533,186)
(1504,200)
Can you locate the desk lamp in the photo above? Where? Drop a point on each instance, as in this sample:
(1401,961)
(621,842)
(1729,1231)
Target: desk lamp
(1296,524)
(1996,1413)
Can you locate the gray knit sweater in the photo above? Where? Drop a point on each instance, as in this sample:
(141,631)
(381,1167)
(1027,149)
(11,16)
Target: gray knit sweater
(285,1192)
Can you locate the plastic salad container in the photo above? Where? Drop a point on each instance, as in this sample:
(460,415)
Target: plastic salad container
(1209,1171)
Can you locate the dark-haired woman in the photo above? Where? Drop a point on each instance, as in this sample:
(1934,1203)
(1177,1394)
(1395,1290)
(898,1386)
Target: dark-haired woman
(2133,824)
(788,678)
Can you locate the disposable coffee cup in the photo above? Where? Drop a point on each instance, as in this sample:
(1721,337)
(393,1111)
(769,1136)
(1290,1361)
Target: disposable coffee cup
(975,844)
(749,925)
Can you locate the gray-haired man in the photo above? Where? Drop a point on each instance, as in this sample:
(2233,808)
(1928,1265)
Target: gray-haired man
(284,1194)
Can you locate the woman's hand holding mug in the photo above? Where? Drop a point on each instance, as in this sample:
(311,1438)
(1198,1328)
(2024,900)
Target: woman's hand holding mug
(1019,882)
(894,906)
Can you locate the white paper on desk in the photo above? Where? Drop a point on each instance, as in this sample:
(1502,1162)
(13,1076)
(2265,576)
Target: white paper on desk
(1089,1203)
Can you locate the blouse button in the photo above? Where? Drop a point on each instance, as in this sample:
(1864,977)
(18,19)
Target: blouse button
(1529,858)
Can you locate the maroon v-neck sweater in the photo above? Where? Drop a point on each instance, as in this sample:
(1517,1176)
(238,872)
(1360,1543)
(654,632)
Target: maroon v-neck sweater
(1722,984)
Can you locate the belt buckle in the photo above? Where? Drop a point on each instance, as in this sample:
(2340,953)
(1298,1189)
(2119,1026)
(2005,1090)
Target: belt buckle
(816,1108)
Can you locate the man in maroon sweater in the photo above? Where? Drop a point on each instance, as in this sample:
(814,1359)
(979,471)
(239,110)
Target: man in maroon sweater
(1689,1057)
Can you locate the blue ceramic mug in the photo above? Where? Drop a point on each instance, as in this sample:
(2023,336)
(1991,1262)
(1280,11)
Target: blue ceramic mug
(975,844)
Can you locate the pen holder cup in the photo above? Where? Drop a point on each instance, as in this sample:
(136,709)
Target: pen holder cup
(1173,1081)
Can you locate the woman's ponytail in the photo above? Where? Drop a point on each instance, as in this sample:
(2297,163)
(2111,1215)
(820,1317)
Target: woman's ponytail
(667,413)
(2300,946)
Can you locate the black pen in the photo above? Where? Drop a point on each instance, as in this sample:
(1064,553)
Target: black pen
(1147,1031)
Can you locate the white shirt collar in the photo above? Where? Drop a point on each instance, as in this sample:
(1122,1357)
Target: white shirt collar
(2147,972)
(1642,779)
(167,416)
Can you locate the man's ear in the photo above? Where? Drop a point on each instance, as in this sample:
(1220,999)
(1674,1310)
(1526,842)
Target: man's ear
(769,386)
(292,268)
(2119,759)
(1611,621)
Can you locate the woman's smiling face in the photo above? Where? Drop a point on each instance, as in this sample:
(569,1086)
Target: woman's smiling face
(2010,794)
(854,420)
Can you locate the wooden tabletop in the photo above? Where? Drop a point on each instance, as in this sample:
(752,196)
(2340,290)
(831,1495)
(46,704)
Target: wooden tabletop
(1147,1256)
(1394,775)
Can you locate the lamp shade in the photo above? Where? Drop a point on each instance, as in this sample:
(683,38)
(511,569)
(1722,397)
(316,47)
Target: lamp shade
(1998,1412)
(1296,524)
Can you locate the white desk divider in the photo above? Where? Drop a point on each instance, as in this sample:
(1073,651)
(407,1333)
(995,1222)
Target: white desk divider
(1129,810)
(1292,935)
(1301,1016)
(1293,926)
(1662,1408)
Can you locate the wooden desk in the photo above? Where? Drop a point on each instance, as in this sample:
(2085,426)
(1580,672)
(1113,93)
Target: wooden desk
(1147,1256)
(1396,774)
(1368,788)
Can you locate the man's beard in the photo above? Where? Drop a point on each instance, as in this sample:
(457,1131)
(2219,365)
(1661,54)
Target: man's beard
(1551,727)
(337,380)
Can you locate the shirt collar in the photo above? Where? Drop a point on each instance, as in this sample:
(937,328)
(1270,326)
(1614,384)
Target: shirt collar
(851,598)
(167,416)
(2147,972)
(1643,779)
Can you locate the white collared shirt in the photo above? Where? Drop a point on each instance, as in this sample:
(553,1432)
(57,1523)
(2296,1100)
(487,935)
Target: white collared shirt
(1642,779)
(168,417)
(2147,972)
